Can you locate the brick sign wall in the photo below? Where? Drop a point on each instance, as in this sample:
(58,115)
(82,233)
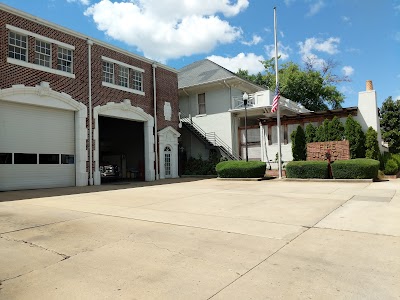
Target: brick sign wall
(340,150)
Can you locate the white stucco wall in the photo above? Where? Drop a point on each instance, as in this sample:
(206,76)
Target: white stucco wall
(218,123)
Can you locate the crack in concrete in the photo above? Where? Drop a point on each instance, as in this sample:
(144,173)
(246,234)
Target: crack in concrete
(64,256)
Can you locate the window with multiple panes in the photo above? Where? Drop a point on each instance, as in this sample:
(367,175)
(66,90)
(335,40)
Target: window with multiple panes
(137,81)
(64,59)
(43,53)
(201,98)
(123,76)
(108,72)
(17,46)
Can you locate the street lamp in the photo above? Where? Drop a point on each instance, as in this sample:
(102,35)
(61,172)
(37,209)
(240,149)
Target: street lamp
(245,98)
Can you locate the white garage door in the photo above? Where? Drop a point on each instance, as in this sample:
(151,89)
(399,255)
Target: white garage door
(37,148)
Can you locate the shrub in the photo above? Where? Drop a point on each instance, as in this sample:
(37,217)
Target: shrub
(321,133)
(391,167)
(335,130)
(307,169)
(359,168)
(396,157)
(241,169)
(371,144)
(355,135)
(299,149)
(310,133)
(198,166)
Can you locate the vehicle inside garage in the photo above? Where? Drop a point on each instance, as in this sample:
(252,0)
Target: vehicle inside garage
(121,149)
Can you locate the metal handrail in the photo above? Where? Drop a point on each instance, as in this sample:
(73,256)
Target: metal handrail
(211,137)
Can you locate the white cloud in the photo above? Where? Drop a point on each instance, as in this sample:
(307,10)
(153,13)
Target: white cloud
(346,20)
(310,45)
(84,2)
(288,2)
(348,70)
(315,7)
(256,39)
(168,29)
(283,51)
(248,61)
(282,34)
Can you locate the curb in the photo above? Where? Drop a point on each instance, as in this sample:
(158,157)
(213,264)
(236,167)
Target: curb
(245,179)
(328,180)
(199,176)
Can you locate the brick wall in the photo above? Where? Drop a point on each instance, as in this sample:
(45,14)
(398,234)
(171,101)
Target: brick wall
(339,150)
(11,74)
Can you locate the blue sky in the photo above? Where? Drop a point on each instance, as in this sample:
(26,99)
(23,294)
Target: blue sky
(362,36)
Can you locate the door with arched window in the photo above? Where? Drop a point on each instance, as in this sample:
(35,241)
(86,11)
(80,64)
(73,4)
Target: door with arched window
(167,161)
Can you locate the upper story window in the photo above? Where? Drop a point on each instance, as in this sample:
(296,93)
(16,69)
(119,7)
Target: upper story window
(64,59)
(201,98)
(123,76)
(17,46)
(137,81)
(39,57)
(43,53)
(108,72)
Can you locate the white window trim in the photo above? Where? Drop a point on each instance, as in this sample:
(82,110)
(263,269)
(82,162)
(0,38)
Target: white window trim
(72,61)
(51,53)
(122,88)
(27,47)
(110,60)
(39,67)
(119,77)
(38,36)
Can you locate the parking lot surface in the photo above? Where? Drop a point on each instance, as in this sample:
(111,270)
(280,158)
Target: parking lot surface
(202,239)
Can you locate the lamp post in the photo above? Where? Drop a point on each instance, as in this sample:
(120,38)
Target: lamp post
(245,98)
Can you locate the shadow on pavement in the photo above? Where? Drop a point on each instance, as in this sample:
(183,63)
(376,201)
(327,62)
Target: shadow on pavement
(109,186)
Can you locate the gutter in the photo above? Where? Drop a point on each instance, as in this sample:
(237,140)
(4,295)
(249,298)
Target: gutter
(154,65)
(90,43)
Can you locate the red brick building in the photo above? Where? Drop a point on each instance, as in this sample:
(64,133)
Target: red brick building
(70,105)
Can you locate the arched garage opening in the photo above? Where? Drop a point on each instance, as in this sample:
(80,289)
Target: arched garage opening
(43,139)
(124,142)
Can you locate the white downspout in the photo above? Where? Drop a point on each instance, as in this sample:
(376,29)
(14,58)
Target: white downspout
(154,65)
(90,43)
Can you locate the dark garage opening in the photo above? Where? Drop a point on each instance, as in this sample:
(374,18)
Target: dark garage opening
(121,150)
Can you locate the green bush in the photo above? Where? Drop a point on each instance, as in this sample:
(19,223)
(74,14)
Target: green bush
(371,144)
(299,146)
(335,130)
(240,169)
(391,167)
(359,168)
(307,169)
(355,135)
(396,157)
(310,133)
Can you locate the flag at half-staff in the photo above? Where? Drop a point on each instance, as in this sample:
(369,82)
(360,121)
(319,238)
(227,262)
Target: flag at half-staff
(275,101)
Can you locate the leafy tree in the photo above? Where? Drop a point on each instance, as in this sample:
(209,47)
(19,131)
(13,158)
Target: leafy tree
(390,123)
(314,89)
(299,149)
(371,144)
(335,130)
(355,135)
(310,133)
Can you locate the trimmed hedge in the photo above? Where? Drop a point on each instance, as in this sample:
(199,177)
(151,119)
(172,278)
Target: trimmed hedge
(240,169)
(307,169)
(359,168)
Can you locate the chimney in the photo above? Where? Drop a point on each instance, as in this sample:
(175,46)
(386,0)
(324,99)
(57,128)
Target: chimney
(369,86)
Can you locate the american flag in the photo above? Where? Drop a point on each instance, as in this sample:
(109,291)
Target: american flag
(275,102)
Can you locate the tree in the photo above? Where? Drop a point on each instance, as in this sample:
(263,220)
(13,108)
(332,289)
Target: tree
(312,88)
(355,135)
(322,132)
(335,130)
(390,123)
(299,149)
(310,133)
(371,144)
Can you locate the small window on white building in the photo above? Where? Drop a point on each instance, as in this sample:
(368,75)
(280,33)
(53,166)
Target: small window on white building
(64,59)
(108,72)
(201,98)
(17,46)
(123,76)
(137,83)
(43,53)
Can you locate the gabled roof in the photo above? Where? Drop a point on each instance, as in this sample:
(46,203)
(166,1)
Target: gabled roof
(205,71)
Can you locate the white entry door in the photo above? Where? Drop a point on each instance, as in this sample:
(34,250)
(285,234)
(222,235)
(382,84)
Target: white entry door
(167,162)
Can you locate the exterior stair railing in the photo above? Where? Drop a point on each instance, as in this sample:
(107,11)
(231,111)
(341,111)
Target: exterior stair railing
(209,137)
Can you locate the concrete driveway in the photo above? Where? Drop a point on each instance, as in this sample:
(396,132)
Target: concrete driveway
(202,239)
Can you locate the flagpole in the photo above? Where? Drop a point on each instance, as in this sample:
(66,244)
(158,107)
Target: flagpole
(278,118)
